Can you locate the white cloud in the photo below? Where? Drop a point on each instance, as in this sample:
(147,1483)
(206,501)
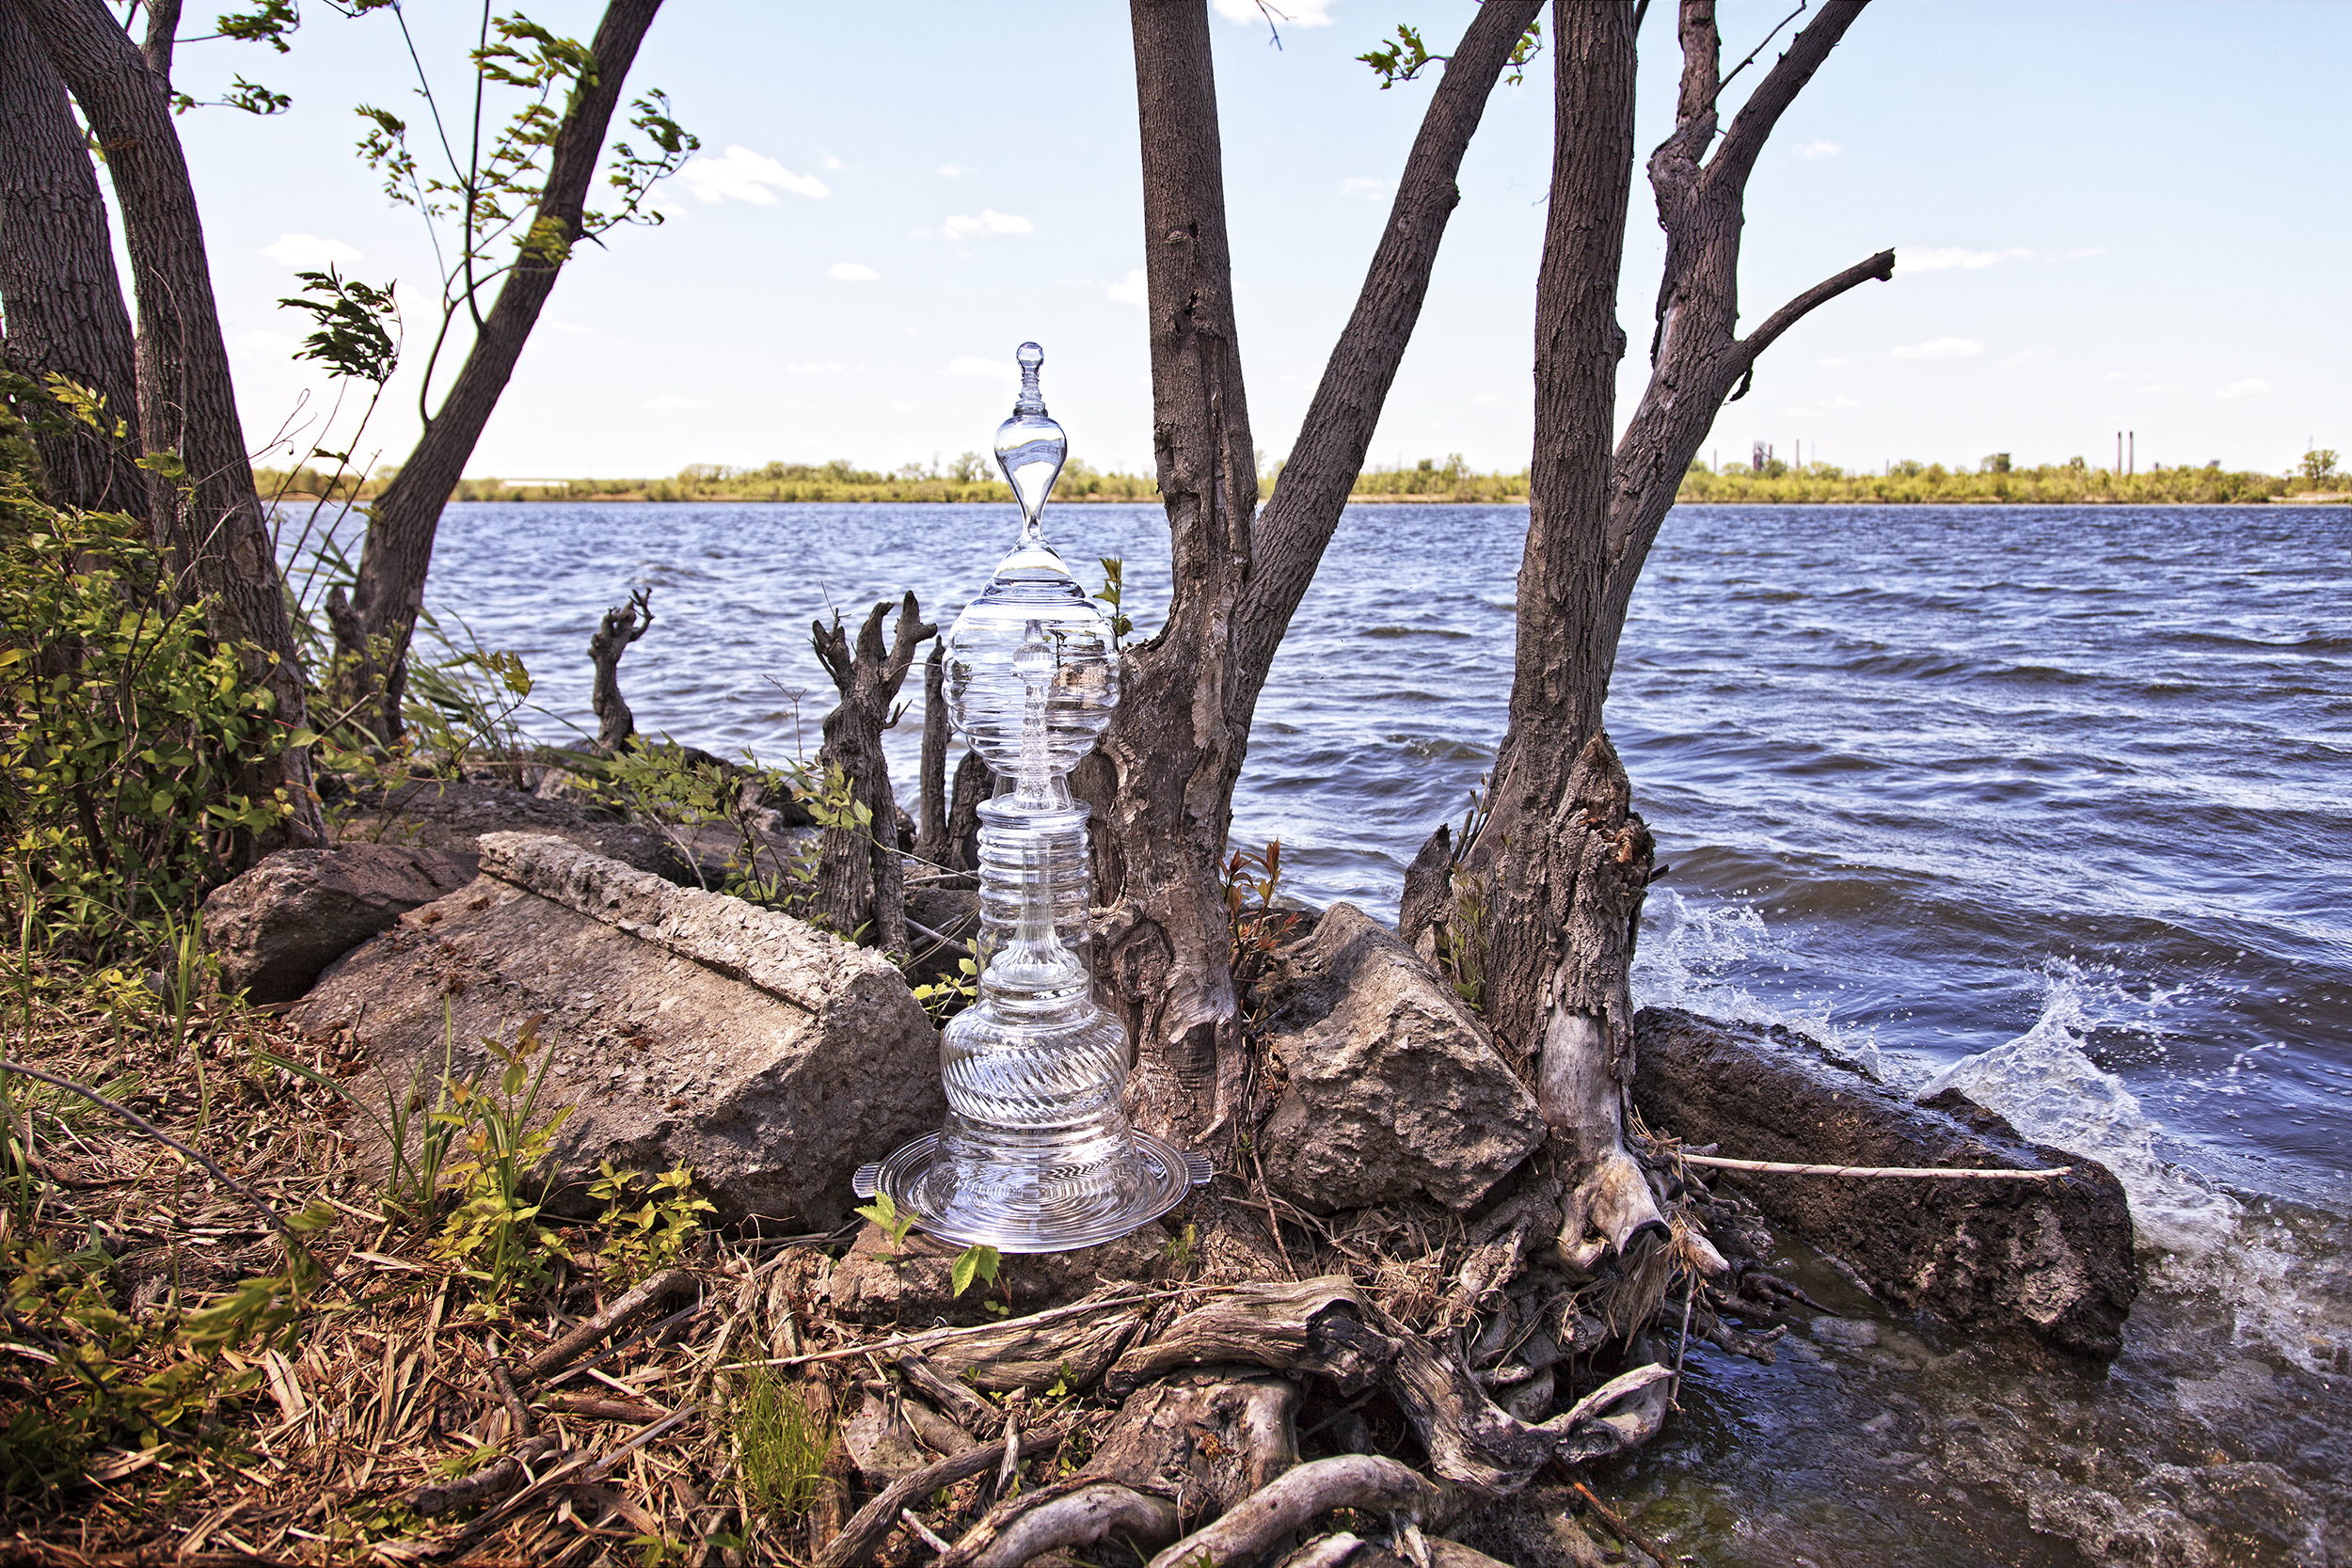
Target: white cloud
(1135,290)
(307,252)
(953,171)
(1371,190)
(1820,150)
(744,175)
(971,364)
(1836,364)
(2249,388)
(851,271)
(671,399)
(832,163)
(2023,356)
(2086,252)
(1843,402)
(2114,375)
(266,342)
(1939,257)
(814,367)
(990,221)
(1291,13)
(1940,348)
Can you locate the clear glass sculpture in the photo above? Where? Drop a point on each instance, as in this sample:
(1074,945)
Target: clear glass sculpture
(1036,1155)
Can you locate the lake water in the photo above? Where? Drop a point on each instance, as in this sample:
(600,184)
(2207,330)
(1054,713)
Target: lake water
(2050,802)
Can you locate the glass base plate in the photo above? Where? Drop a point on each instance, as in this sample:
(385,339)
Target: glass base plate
(1167,1174)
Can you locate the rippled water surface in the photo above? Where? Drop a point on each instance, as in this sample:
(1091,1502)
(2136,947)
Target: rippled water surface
(2049,802)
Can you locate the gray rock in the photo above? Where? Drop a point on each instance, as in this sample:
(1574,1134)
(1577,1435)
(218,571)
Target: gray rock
(1395,1088)
(274,927)
(1852,1333)
(772,1058)
(2050,1261)
(453,814)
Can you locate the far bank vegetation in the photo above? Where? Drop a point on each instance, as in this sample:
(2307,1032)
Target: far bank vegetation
(1993,480)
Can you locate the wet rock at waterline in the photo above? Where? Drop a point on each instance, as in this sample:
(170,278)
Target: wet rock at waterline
(771,1058)
(274,927)
(2051,1259)
(1394,1086)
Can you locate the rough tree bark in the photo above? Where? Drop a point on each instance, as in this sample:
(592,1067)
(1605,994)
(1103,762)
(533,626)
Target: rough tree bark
(860,881)
(390,591)
(210,516)
(1566,857)
(64,301)
(1163,791)
(620,627)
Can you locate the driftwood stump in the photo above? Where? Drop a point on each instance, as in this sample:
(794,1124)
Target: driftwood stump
(620,627)
(930,802)
(860,889)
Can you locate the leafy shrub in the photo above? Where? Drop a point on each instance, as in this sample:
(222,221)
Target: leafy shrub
(127,731)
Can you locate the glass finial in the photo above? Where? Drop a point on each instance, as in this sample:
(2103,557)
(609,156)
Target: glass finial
(1030,447)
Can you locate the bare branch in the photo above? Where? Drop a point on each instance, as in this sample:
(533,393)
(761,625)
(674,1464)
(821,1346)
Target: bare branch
(1753,125)
(1881,268)
(1749,58)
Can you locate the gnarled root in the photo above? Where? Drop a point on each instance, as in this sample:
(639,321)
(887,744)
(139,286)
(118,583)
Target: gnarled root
(1075,1512)
(1211,1438)
(1326,1325)
(1260,1521)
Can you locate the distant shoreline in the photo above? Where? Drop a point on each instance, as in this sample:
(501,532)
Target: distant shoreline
(2323,498)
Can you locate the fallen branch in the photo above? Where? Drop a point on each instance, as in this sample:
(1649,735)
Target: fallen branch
(1364,1481)
(1781,1168)
(1625,1532)
(668,1283)
(494,1480)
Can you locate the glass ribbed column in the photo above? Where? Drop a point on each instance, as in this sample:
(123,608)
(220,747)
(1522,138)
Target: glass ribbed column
(1036,1155)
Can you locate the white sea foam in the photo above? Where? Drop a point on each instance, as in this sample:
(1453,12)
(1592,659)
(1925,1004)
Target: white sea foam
(2046,1084)
(1699,956)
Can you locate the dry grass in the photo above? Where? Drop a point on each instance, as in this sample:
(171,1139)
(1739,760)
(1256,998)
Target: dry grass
(387,1380)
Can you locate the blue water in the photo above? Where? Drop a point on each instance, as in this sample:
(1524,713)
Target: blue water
(1924,775)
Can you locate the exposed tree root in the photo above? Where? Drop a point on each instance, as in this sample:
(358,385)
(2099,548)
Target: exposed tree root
(1075,1512)
(1260,1521)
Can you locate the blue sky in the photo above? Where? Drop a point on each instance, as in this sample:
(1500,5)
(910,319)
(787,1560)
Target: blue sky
(2108,217)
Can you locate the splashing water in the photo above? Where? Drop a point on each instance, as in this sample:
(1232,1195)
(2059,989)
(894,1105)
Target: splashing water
(2046,1084)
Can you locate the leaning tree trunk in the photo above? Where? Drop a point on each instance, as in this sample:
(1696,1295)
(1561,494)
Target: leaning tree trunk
(390,592)
(66,314)
(206,511)
(1563,855)
(859,885)
(1162,785)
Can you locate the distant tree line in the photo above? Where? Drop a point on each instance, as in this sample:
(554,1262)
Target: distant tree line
(1995,479)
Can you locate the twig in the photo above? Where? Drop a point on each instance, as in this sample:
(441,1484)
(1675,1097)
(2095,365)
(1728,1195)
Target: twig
(1778,1167)
(669,1282)
(1625,1532)
(277,1222)
(934,1336)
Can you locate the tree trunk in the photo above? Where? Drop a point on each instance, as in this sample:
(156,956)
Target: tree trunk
(64,301)
(1164,797)
(1566,857)
(209,517)
(860,883)
(394,558)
